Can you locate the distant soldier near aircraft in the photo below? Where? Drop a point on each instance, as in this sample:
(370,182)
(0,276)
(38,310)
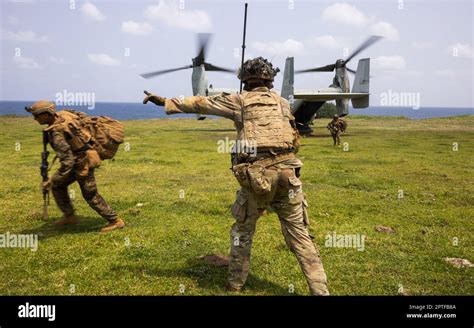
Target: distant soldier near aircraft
(80,142)
(265,166)
(337,126)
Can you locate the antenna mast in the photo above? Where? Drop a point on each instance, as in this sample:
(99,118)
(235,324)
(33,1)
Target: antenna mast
(243,46)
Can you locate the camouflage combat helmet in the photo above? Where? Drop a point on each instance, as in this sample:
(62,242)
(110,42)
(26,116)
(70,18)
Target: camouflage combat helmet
(40,107)
(257,68)
(336,116)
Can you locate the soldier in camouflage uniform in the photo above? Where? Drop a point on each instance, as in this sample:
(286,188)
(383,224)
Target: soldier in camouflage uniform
(265,166)
(73,167)
(337,126)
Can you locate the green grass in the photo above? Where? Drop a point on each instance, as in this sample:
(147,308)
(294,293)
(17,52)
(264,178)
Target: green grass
(349,192)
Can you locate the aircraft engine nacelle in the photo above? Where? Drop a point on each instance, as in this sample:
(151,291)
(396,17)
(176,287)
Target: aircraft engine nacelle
(199,83)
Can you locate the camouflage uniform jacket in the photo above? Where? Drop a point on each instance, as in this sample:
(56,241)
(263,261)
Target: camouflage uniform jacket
(68,160)
(336,125)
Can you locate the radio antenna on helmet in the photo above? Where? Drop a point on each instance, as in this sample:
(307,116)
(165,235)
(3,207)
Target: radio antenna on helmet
(243,46)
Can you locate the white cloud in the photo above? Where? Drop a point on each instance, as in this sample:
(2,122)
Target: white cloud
(395,62)
(25,62)
(56,60)
(92,12)
(386,30)
(325,41)
(22,36)
(103,59)
(172,15)
(344,13)
(446,73)
(289,47)
(136,28)
(463,50)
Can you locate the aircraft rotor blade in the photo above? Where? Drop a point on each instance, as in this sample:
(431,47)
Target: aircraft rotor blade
(203,41)
(155,73)
(350,70)
(209,67)
(367,43)
(327,68)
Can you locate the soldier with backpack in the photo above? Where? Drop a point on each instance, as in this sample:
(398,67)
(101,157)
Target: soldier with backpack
(337,126)
(80,143)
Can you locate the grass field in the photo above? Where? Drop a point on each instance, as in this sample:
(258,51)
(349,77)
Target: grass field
(173,168)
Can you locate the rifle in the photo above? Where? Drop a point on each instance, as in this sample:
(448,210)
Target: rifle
(44,173)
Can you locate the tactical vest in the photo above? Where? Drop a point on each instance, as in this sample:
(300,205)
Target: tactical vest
(266,122)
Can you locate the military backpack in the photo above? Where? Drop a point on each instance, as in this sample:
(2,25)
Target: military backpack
(83,132)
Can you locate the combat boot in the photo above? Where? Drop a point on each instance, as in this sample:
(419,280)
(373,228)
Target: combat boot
(67,220)
(319,289)
(229,288)
(117,224)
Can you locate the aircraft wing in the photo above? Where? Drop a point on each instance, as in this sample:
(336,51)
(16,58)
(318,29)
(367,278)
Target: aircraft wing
(327,96)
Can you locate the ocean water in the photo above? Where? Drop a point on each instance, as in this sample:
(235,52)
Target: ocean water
(138,111)
(120,111)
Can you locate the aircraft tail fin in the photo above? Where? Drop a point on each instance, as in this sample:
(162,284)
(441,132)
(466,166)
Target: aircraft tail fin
(287,88)
(361,83)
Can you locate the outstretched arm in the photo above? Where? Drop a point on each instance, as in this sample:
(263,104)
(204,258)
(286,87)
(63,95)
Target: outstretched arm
(224,105)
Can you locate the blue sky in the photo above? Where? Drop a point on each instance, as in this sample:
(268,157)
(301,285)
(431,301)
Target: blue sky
(101,46)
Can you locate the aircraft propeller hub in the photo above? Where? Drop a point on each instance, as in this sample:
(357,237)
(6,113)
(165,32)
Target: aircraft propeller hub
(340,63)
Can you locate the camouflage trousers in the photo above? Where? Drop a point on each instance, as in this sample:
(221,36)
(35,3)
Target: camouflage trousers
(335,137)
(287,199)
(89,192)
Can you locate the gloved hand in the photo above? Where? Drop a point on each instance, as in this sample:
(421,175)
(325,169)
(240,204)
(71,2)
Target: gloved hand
(157,100)
(46,185)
